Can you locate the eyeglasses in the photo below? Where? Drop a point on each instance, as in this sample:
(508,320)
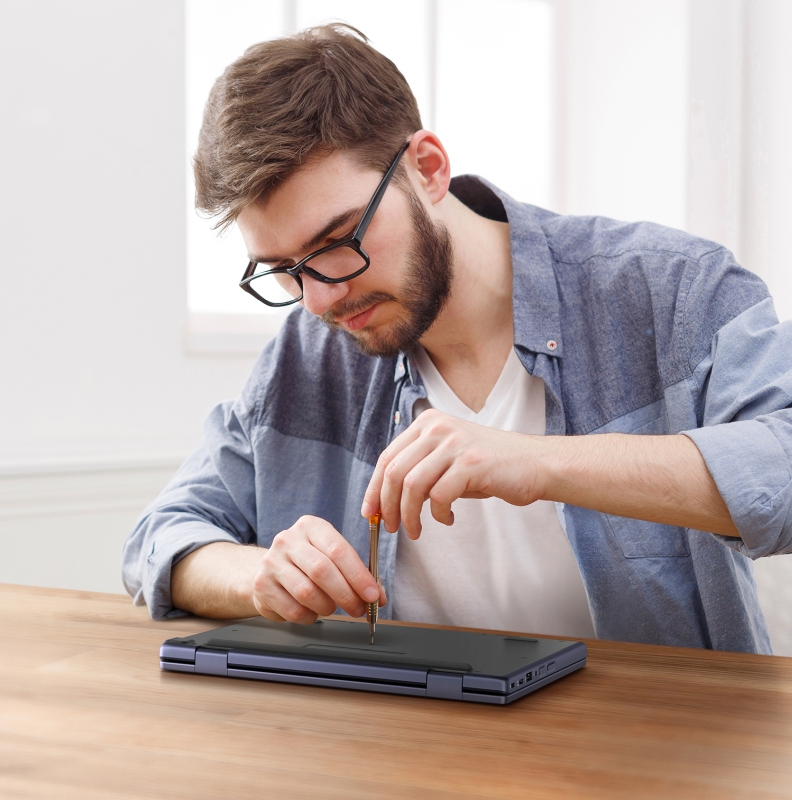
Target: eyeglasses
(336,263)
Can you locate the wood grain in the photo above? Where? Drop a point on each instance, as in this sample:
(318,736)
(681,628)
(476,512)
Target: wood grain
(85,712)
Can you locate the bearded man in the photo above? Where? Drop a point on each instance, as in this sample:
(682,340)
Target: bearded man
(450,358)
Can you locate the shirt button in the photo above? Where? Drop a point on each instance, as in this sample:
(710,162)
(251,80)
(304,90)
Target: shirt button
(552,344)
(397,417)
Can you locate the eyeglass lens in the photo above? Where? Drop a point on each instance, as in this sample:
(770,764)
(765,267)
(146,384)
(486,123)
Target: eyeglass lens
(280,287)
(337,263)
(277,288)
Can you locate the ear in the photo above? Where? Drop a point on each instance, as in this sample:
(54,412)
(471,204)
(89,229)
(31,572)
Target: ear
(430,165)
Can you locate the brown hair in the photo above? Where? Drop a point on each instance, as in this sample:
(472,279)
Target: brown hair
(286,100)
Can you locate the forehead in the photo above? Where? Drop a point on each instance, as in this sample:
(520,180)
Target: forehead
(317,192)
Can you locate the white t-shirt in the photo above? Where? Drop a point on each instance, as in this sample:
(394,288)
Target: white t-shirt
(498,566)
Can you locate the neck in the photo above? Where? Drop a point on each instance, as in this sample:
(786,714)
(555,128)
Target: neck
(471,338)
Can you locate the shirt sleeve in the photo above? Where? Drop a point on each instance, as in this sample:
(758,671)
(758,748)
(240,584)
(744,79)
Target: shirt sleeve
(743,390)
(210,499)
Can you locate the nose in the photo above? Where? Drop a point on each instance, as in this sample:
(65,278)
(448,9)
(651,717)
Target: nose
(319,298)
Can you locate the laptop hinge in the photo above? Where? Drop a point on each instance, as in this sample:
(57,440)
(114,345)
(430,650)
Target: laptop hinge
(211,662)
(444,684)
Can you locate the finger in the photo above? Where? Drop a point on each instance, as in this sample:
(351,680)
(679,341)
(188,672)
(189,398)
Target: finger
(326,576)
(272,616)
(266,612)
(393,482)
(452,485)
(276,603)
(371,499)
(442,513)
(305,592)
(351,570)
(417,487)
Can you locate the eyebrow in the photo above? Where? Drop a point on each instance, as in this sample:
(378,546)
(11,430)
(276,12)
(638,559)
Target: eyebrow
(336,222)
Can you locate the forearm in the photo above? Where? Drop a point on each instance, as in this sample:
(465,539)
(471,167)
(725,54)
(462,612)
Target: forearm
(216,580)
(655,478)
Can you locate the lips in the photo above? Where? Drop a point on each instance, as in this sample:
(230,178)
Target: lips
(359,320)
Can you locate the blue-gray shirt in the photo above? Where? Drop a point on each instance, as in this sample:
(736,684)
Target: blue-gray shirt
(633,328)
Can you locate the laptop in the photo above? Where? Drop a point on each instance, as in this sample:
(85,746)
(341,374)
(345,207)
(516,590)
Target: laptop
(423,662)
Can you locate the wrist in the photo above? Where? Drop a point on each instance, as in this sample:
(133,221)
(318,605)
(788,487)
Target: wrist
(528,474)
(241,584)
(547,458)
(216,580)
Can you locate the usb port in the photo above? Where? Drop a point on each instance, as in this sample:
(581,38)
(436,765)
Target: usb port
(522,681)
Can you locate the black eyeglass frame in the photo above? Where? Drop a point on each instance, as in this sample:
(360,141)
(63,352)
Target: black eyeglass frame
(354,241)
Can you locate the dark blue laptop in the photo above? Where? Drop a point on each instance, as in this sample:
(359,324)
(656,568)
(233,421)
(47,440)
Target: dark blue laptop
(424,662)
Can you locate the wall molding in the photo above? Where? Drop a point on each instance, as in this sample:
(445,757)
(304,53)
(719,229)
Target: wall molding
(99,463)
(82,488)
(230,334)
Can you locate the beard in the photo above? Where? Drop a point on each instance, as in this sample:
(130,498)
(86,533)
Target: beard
(423,294)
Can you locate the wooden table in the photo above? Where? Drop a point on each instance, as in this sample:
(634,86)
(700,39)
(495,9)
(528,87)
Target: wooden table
(85,712)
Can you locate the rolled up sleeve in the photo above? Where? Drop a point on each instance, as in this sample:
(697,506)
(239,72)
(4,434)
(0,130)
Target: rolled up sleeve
(744,388)
(210,499)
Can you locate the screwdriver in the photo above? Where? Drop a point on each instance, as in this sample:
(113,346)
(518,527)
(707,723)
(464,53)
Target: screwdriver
(372,609)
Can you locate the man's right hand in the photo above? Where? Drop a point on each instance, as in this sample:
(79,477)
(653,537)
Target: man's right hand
(310,570)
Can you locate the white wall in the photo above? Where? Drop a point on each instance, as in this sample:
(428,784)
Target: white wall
(623,98)
(767,165)
(716,140)
(92,252)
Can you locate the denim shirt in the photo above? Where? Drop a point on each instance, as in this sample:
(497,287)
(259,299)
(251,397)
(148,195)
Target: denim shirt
(634,328)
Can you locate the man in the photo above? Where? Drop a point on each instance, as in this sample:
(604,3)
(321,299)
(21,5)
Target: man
(451,345)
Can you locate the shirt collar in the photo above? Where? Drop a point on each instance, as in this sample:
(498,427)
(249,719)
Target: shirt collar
(406,363)
(535,300)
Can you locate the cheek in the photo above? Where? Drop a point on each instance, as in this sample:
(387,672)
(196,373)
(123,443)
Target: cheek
(388,249)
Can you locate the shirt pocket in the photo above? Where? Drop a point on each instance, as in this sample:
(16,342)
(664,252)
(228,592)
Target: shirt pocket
(640,539)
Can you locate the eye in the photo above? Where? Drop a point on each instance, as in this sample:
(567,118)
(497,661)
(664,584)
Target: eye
(342,237)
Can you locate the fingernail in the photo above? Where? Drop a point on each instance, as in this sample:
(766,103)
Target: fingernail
(366,509)
(371,594)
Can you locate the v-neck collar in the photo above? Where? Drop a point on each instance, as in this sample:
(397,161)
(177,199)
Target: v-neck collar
(436,386)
